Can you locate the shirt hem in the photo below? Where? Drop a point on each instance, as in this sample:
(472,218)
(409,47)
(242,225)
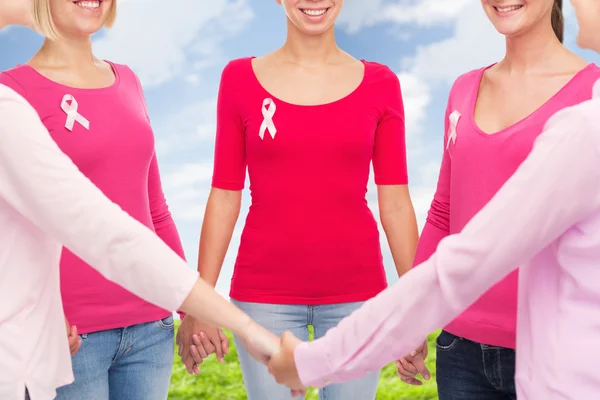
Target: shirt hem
(296,300)
(146,318)
(483,334)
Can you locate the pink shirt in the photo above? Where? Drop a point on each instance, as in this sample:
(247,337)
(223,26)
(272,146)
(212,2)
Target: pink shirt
(474,166)
(117,154)
(546,218)
(45,202)
(310,237)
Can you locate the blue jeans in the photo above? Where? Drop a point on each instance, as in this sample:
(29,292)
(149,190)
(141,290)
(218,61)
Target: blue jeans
(468,370)
(296,319)
(132,363)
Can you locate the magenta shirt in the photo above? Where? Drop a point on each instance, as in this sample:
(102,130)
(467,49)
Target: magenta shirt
(309,237)
(474,167)
(116,152)
(546,218)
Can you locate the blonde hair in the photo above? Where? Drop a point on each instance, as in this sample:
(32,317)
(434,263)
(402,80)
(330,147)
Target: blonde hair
(44,24)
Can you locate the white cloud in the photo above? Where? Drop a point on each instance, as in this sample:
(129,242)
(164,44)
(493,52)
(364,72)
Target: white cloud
(359,14)
(193,125)
(160,40)
(186,188)
(475,44)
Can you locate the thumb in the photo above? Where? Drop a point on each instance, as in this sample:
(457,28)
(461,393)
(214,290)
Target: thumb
(73,331)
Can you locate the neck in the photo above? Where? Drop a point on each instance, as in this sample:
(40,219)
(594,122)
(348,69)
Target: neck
(309,49)
(68,52)
(536,48)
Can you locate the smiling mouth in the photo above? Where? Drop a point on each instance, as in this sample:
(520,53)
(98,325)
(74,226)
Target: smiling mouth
(89,4)
(314,12)
(507,9)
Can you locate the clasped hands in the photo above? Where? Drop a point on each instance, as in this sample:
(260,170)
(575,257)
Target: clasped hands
(197,340)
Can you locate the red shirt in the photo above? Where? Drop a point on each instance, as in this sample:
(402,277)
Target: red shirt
(116,152)
(310,237)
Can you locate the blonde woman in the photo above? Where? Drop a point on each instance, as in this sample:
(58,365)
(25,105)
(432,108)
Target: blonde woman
(95,111)
(46,202)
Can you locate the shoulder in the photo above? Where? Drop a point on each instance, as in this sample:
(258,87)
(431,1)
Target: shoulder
(237,68)
(124,72)
(466,81)
(18,78)
(379,73)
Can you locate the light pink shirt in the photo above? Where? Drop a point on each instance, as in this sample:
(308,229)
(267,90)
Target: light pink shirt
(45,202)
(546,218)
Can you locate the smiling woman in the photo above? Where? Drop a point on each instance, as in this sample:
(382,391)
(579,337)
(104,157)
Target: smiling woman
(95,111)
(43,11)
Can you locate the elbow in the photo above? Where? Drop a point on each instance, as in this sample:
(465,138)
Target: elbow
(439,215)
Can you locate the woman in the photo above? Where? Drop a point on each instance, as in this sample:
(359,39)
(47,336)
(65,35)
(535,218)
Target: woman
(307,120)
(546,218)
(96,113)
(46,202)
(493,116)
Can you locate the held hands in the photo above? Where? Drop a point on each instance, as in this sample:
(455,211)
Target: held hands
(73,337)
(197,340)
(412,365)
(283,366)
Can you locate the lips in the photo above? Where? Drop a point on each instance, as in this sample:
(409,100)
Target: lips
(314,12)
(89,4)
(509,8)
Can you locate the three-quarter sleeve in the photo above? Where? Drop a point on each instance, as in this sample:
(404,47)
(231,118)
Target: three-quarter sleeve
(389,152)
(229,171)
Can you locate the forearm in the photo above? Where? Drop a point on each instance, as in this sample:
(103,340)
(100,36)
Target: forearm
(205,304)
(399,223)
(220,217)
(400,227)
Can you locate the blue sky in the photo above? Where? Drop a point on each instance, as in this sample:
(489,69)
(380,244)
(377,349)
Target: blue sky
(179,48)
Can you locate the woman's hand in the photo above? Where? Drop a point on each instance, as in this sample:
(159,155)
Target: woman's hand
(414,364)
(283,366)
(74,341)
(196,340)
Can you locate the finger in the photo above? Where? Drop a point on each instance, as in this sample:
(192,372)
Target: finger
(218,348)
(419,363)
(178,338)
(73,331)
(224,342)
(200,346)
(407,368)
(196,369)
(425,351)
(195,354)
(189,366)
(207,343)
(411,381)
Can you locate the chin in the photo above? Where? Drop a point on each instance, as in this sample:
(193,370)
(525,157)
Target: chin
(87,30)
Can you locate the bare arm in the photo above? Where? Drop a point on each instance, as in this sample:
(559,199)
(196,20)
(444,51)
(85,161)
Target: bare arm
(399,223)
(220,217)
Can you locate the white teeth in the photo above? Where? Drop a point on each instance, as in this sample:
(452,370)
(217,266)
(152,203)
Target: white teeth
(88,4)
(314,13)
(508,9)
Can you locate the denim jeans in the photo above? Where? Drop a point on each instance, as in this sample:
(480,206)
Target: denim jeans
(296,319)
(468,370)
(132,363)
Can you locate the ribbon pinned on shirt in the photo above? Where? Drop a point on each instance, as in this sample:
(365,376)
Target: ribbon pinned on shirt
(72,115)
(453,120)
(268,111)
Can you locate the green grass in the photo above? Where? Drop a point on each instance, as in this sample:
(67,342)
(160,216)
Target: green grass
(224,381)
